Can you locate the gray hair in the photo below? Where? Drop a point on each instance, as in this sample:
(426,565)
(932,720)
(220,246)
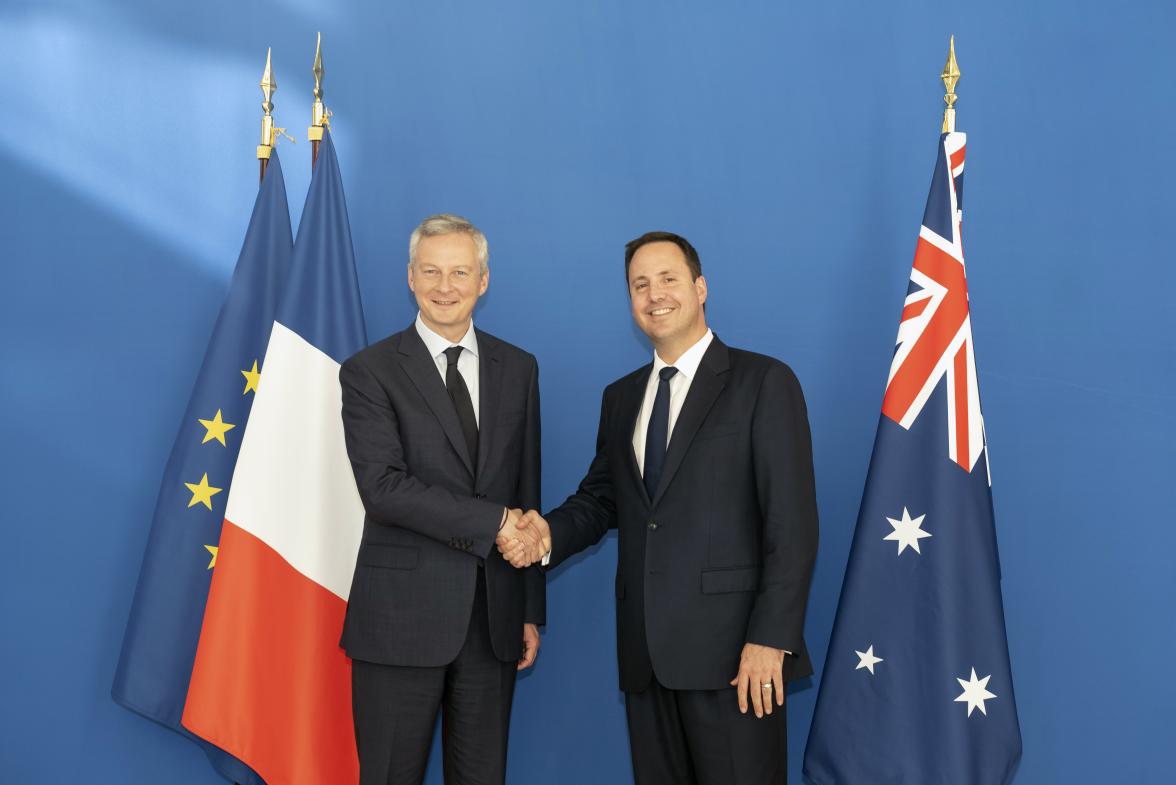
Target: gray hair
(445,223)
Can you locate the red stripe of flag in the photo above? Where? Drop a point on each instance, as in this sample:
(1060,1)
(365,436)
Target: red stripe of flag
(915,309)
(957,158)
(268,651)
(938,334)
(961,407)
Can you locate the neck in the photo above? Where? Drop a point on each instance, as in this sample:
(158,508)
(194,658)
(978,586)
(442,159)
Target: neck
(671,349)
(453,334)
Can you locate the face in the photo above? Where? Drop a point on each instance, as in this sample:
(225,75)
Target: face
(447,282)
(667,305)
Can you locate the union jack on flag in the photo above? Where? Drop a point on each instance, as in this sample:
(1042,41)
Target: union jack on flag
(935,335)
(917,686)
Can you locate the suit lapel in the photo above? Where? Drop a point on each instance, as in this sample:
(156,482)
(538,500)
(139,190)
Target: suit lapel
(489,395)
(422,370)
(704,390)
(630,411)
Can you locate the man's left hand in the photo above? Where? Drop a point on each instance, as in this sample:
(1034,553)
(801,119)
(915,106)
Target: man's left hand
(761,674)
(530,646)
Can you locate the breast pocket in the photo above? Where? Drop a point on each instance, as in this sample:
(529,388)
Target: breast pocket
(718,430)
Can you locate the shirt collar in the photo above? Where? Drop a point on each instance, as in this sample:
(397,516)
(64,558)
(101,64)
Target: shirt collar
(687,364)
(437,344)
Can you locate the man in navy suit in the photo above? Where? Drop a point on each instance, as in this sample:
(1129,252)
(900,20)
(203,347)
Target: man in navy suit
(704,465)
(442,428)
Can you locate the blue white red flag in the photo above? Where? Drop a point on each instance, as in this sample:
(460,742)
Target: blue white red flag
(917,687)
(270,683)
(160,640)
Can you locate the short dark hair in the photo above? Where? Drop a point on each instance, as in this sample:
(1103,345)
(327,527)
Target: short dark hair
(692,260)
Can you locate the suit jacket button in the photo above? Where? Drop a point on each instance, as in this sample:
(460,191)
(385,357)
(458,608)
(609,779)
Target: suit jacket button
(652,526)
(479,496)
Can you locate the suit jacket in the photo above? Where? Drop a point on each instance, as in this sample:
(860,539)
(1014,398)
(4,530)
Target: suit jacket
(723,553)
(432,510)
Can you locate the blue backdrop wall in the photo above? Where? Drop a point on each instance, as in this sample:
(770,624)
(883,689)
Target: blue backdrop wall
(792,142)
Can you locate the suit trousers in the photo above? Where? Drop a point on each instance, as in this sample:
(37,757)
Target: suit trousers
(396,709)
(698,737)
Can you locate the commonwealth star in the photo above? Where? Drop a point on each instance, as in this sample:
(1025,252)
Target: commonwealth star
(907,531)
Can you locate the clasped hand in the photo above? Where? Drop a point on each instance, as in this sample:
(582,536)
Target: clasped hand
(524,538)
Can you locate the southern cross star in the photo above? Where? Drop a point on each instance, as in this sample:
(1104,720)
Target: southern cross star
(975,693)
(867,659)
(907,531)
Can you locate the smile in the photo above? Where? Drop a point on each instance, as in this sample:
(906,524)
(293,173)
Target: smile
(660,311)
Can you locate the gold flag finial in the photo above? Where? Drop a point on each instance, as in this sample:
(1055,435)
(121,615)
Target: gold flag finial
(268,87)
(319,115)
(950,75)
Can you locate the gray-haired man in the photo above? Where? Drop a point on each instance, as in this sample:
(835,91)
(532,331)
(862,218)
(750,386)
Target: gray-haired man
(442,426)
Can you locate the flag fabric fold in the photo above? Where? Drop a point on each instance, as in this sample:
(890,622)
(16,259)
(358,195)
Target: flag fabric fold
(917,687)
(270,683)
(159,644)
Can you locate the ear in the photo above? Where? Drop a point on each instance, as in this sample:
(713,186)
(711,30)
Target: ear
(700,289)
(411,288)
(484,284)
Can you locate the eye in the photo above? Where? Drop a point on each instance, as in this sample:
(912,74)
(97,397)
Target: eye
(461,273)
(670,279)
(638,287)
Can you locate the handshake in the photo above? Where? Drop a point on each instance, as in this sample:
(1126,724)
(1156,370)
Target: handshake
(524,538)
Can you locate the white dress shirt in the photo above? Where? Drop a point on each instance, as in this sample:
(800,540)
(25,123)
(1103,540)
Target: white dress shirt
(687,366)
(467,361)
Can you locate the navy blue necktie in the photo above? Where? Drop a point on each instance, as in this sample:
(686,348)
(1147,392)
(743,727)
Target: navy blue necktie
(658,432)
(460,395)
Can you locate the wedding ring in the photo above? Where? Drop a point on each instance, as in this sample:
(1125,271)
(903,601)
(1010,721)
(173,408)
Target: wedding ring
(767,685)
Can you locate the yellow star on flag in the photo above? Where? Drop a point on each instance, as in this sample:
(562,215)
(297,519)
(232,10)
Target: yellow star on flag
(216,429)
(202,492)
(212,549)
(251,378)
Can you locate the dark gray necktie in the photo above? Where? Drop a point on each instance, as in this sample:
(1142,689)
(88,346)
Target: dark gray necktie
(460,395)
(657,434)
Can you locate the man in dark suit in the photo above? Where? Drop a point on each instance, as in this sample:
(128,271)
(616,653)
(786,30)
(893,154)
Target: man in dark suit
(442,429)
(704,465)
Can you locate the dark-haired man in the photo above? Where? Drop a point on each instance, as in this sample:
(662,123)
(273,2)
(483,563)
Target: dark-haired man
(704,465)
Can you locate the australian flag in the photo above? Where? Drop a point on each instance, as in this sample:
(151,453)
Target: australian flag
(159,645)
(917,687)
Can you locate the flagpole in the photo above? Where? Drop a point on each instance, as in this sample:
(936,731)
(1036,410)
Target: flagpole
(320,116)
(268,88)
(950,75)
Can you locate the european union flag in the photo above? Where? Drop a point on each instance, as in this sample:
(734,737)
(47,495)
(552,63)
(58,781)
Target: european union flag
(917,687)
(159,645)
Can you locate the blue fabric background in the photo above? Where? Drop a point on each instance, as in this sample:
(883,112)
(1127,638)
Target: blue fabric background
(791,142)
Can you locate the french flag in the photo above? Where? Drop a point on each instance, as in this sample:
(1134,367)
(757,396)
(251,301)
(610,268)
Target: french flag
(270,684)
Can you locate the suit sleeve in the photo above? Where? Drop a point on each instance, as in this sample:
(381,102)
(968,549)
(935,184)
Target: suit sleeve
(529,498)
(783,457)
(584,518)
(391,495)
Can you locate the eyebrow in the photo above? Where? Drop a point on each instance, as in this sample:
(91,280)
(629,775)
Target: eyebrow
(666,271)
